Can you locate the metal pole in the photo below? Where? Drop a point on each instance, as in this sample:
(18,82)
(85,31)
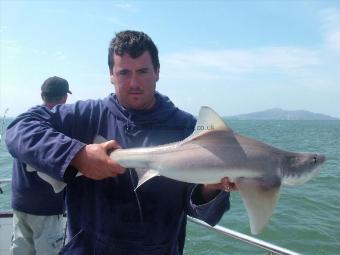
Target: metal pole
(245,238)
(5,180)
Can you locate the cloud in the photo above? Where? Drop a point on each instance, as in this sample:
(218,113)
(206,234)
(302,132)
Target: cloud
(126,7)
(59,55)
(3,28)
(46,54)
(333,40)
(216,64)
(13,48)
(331,24)
(10,49)
(10,45)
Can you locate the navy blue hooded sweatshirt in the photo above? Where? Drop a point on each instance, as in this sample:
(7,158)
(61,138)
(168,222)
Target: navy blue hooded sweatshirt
(30,192)
(108,216)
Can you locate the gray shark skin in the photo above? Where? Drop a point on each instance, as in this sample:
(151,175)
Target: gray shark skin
(215,151)
(258,169)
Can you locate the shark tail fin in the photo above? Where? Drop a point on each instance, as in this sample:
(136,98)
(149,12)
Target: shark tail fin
(259,197)
(145,175)
(57,186)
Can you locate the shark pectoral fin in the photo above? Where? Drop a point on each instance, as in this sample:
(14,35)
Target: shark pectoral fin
(259,197)
(145,175)
(57,186)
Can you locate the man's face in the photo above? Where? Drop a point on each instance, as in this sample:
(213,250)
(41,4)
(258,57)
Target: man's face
(135,81)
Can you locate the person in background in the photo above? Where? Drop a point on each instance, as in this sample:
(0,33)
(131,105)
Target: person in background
(37,211)
(106,215)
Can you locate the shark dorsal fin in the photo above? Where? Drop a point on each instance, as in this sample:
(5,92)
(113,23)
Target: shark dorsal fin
(208,119)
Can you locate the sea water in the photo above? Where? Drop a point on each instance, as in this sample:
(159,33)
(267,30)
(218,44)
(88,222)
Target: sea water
(306,218)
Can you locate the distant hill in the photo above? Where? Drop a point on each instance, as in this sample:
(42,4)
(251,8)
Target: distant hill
(279,114)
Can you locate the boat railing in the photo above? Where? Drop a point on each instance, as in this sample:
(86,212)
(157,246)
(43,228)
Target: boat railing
(2,181)
(268,247)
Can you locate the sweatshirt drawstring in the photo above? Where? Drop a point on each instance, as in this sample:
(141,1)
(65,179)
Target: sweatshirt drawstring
(129,129)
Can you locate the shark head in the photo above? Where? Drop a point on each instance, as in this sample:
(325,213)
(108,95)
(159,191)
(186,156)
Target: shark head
(299,168)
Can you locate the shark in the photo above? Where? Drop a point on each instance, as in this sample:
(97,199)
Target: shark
(214,151)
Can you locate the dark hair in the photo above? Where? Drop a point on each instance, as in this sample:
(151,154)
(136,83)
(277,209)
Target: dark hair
(135,44)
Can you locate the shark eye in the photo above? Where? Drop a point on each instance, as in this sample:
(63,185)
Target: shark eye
(315,159)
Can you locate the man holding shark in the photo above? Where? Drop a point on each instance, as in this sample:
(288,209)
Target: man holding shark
(106,214)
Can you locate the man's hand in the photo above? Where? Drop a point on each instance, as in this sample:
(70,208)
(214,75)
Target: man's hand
(209,191)
(94,162)
(225,185)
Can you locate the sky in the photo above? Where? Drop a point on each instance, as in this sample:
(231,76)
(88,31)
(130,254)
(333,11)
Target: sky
(234,56)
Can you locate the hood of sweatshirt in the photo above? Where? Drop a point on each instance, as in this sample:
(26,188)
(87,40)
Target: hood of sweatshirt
(157,115)
(136,122)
